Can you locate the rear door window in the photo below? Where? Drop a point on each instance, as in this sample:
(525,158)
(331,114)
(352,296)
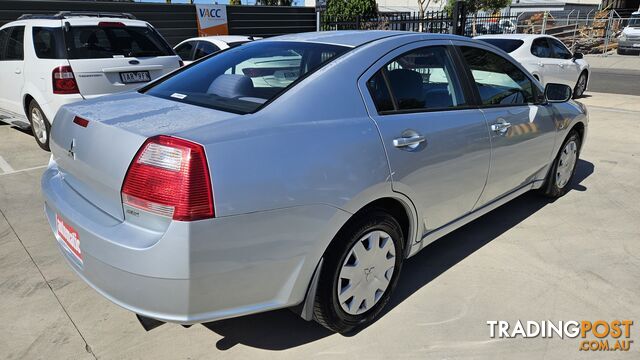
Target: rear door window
(48,43)
(243,78)
(14,49)
(419,80)
(90,42)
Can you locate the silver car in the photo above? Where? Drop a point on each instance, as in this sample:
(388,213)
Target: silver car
(208,195)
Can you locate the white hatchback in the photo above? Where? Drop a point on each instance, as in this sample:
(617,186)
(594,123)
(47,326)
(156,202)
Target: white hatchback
(546,58)
(47,61)
(195,48)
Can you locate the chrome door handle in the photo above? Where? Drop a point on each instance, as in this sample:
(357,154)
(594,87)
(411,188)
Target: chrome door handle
(501,127)
(540,64)
(410,142)
(17,71)
(561,65)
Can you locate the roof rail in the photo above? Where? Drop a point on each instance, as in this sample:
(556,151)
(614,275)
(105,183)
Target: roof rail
(68,14)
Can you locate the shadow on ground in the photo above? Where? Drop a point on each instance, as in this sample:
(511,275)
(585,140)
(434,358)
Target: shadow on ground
(282,329)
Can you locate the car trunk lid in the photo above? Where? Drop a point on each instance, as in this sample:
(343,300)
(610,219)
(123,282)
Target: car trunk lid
(94,156)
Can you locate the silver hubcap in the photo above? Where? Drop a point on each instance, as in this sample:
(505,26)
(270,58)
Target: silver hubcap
(366,272)
(566,163)
(39,129)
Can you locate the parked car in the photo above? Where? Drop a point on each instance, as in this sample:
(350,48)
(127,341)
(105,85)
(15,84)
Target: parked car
(195,48)
(547,58)
(629,39)
(52,60)
(205,196)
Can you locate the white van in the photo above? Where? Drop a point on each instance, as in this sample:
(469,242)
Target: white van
(47,61)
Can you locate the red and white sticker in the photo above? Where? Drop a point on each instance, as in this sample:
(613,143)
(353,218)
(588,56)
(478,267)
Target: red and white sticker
(70,237)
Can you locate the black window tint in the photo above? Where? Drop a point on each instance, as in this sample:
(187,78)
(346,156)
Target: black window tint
(498,80)
(205,48)
(508,45)
(15,44)
(48,43)
(242,79)
(380,92)
(540,48)
(185,51)
(4,36)
(424,79)
(89,42)
(559,50)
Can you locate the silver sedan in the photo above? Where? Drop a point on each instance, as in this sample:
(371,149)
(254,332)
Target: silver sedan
(228,188)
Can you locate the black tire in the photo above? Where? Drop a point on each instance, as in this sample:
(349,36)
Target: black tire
(551,188)
(33,106)
(579,89)
(621,52)
(327,310)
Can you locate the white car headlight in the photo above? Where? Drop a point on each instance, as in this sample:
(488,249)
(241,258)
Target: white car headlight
(623,37)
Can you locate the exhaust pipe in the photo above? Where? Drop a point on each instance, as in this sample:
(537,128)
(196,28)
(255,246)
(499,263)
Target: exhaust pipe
(148,323)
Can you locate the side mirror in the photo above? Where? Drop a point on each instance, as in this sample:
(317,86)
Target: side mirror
(578,56)
(557,93)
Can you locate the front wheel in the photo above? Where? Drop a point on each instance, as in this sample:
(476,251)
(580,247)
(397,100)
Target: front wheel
(39,125)
(581,86)
(360,271)
(563,167)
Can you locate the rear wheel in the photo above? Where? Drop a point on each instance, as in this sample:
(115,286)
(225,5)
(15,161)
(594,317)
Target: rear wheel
(581,86)
(621,51)
(563,167)
(39,125)
(360,271)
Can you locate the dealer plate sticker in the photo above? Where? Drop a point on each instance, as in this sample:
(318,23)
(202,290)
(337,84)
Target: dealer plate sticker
(70,237)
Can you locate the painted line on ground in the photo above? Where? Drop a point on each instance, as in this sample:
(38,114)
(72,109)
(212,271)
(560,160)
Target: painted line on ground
(24,170)
(5,167)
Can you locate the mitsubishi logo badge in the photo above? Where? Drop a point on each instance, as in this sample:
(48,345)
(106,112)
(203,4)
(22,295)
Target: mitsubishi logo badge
(70,152)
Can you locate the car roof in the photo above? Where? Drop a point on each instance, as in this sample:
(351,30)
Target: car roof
(512,36)
(224,38)
(76,21)
(352,38)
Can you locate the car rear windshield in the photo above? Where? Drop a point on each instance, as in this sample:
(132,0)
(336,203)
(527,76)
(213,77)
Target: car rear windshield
(634,21)
(243,78)
(90,42)
(508,45)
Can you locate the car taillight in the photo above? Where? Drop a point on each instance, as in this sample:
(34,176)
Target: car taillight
(170,177)
(64,82)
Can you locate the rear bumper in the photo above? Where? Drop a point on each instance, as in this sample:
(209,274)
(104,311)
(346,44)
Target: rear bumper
(55,102)
(194,272)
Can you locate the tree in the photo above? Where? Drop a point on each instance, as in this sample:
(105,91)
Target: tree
(423,5)
(473,6)
(235,2)
(350,9)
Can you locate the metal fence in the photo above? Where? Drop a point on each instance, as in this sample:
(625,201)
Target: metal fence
(592,32)
(432,21)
